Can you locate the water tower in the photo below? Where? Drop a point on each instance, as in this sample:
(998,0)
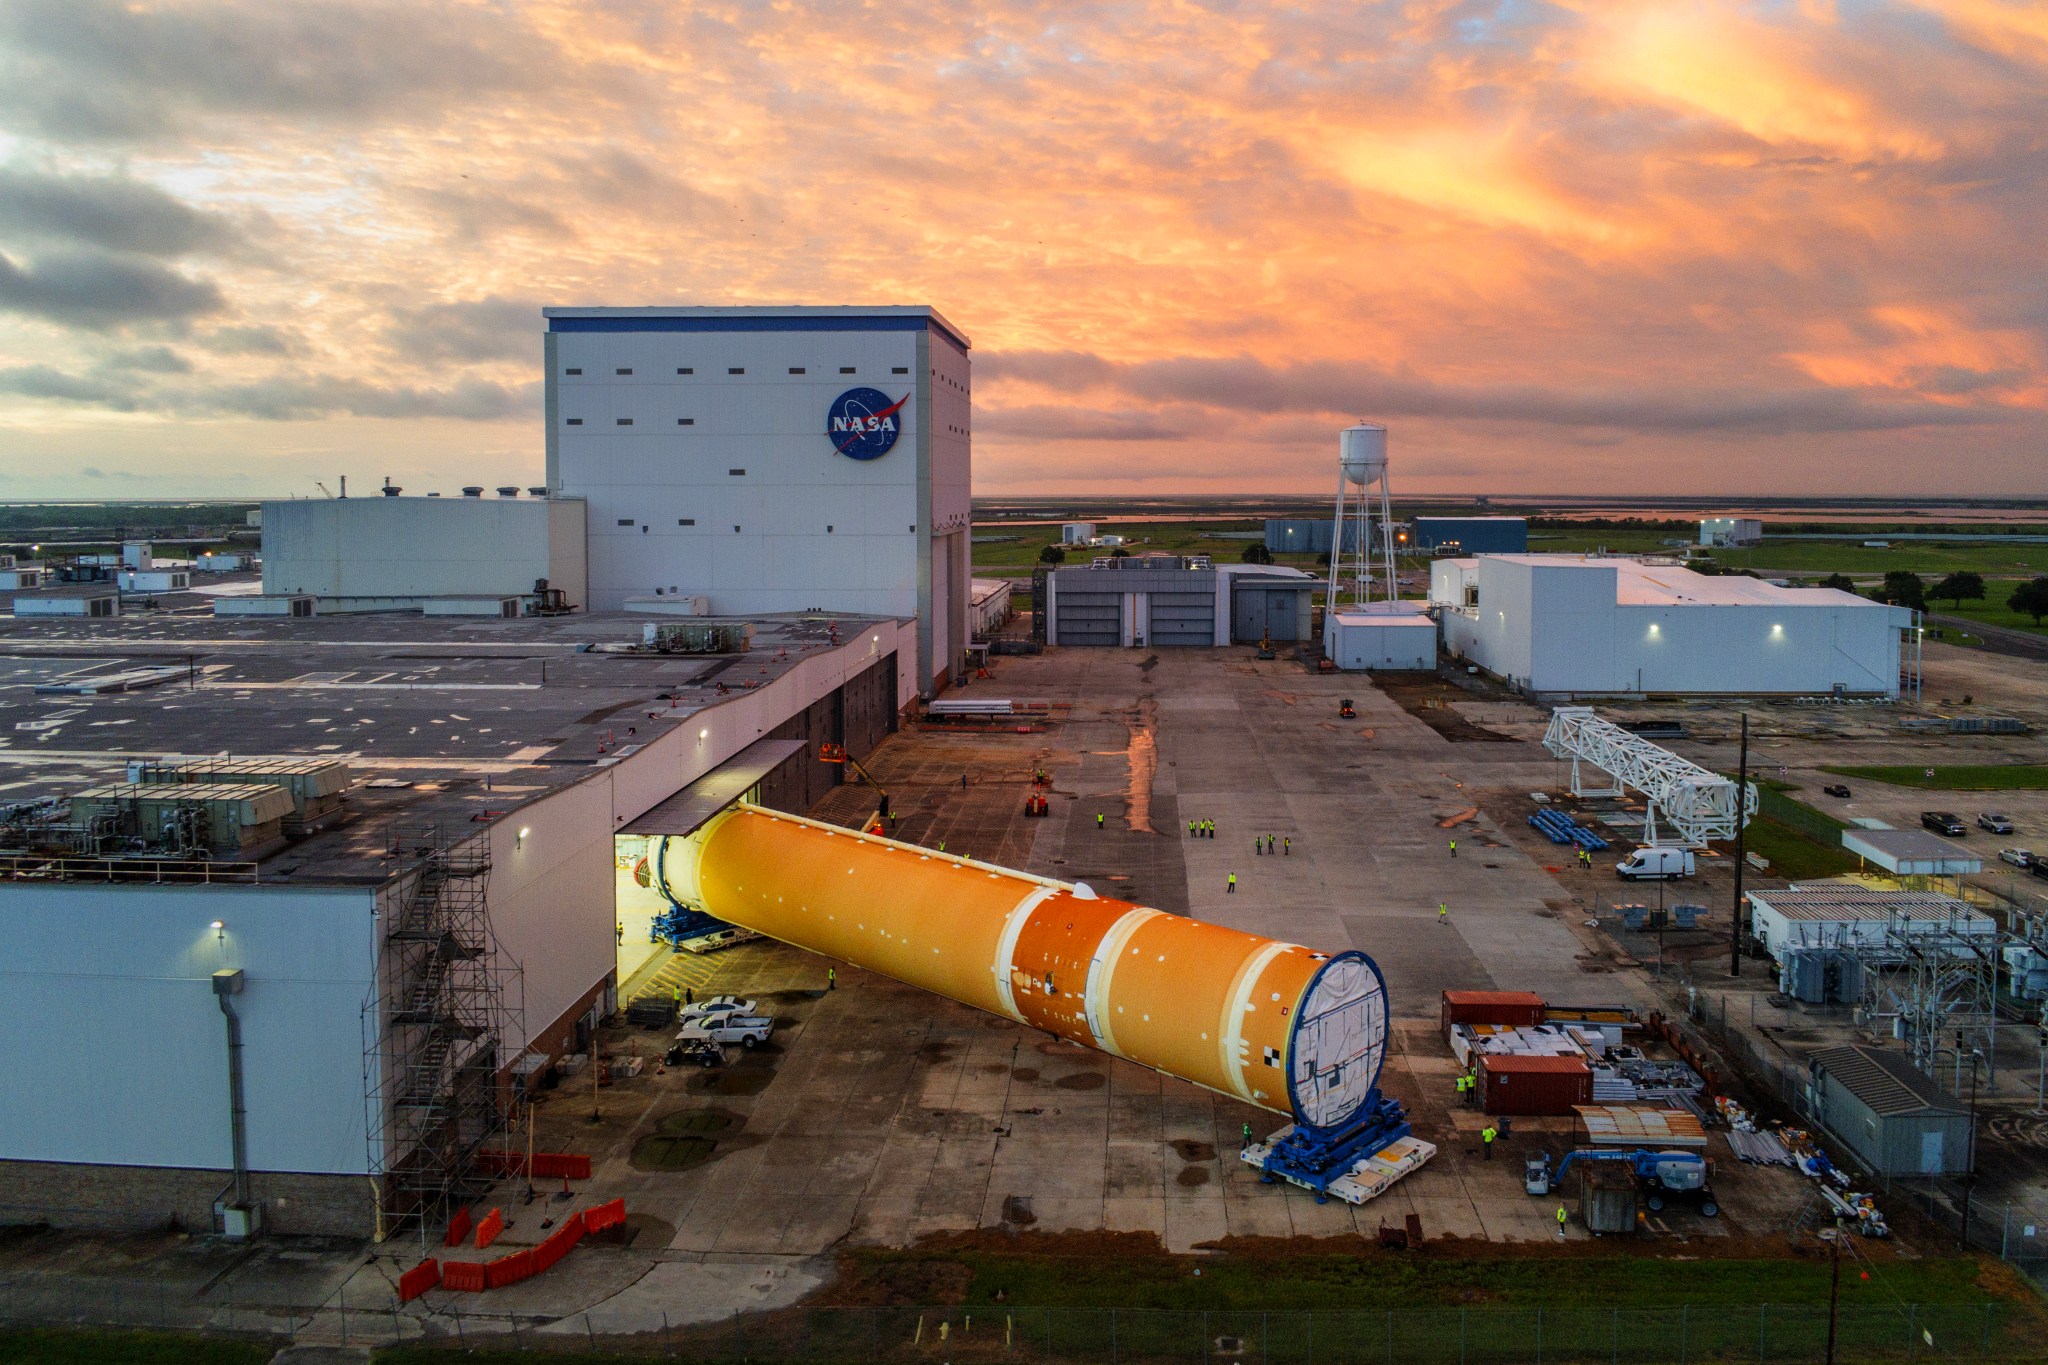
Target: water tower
(1362,537)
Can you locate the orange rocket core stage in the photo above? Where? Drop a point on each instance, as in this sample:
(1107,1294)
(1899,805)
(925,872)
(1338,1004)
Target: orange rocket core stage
(1199,1001)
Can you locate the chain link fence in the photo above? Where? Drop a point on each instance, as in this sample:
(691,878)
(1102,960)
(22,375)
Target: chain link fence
(1078,1336)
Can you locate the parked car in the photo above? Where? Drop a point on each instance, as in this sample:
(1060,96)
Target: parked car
(2039,867)
(2018,857)
(1837,789)
(716,1005)
(1993,821)
(748,1030)
(1944,822)
(1655,864)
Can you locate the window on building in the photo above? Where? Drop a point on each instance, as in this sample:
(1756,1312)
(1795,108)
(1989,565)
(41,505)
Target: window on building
(828,530)
(575,421)
(901,369)
(846,369)
(685,370)
(735,472)
(627,370)
(686,521)
(737,369)
(735,530)
(796,369)
(577,371)
(625,521)
(625,421)
(686,421)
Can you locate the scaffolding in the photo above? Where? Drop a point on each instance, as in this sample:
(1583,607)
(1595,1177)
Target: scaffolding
(1937,981)
(1697,805)
(437,1035)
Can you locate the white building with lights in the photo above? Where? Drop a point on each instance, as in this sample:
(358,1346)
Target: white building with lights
(1581,626)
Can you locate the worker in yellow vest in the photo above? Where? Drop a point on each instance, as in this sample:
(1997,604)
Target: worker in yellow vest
(1486,1137)
(1560,1220)
(1233,884)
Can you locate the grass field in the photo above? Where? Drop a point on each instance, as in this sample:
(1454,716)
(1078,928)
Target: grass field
(1377,1282)
(1793,853)
(2001,777)
(1992,611)
(67,1347)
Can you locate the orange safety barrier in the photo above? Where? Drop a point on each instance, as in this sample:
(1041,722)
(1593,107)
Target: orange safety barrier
(604,1216)
(546,1165)
(488,1230)
(510,1269)
(419,1280)
(520,1265)
(465,1275)
(458,1229)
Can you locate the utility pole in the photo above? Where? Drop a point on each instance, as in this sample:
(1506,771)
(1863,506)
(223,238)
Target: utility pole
(1834,1237)
(1741,827)
(1970,1148)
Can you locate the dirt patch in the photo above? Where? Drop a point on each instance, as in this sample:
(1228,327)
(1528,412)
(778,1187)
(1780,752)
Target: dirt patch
(1082,1080)
(1025,1073)
(935,1053)
(918,1283)
(1430,700)
(682,1140)
(726,1080)
(1143,757)
(1189,1150)
(1191,1177)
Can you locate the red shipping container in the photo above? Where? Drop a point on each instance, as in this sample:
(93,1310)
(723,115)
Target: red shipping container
(1513,1083)
(1515,1009)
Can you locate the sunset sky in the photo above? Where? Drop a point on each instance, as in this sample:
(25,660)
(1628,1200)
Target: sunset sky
(1592,246)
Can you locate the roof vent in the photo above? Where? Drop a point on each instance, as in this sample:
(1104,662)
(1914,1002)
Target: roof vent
(508,490)
(391,490)
(475,490)
(539,491)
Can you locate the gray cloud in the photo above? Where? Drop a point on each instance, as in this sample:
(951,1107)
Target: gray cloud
(42,381)
(480,329)
(98,290)
(260,339)
(112,212)
(1047,423)
(288,399)
(145,360)
(1336,388)
(91,69)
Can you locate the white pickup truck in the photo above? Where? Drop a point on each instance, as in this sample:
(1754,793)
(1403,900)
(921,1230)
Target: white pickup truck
(748,1030)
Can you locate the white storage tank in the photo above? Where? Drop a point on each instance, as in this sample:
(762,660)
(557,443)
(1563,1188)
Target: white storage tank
(1362,451)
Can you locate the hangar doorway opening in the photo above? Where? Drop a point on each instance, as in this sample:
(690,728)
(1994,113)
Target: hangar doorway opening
(780,771)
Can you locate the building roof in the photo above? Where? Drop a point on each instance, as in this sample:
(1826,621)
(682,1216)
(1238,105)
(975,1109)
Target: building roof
(1887,1083)
(1529,1063)
(1911,852)
(1846,901)
(1637,584)
(787,318)
(442,721)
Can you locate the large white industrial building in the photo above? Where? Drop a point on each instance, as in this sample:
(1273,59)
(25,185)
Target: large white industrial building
(1584,626)
(770,460)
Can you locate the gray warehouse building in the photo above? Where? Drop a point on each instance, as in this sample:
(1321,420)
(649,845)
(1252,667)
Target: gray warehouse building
(1896,1119)
(1165,601)
(1472,535)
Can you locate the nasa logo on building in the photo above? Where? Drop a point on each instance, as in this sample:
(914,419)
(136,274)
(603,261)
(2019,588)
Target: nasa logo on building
(863,424)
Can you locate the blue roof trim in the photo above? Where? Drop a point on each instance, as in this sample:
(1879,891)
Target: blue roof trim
(658,323)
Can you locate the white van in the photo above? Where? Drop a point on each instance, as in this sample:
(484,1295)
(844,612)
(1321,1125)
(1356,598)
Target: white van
(1655,864)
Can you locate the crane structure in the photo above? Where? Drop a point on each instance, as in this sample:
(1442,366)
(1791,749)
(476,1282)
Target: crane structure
(1697,805)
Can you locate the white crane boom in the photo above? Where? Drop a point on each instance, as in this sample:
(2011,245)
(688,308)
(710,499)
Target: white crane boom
(1698,805)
